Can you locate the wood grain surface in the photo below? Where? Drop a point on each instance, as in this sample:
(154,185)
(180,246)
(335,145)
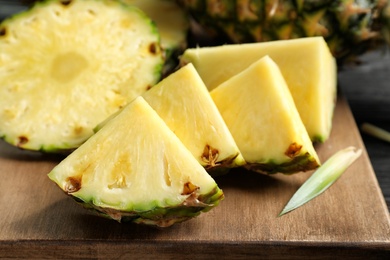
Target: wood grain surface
(350,219)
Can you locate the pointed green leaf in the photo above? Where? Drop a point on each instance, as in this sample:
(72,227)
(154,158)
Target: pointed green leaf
(323,178)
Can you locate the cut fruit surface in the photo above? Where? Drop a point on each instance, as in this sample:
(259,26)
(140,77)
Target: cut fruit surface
(258,108)
(67,65)
(136,169)
(306,64)
(184,103)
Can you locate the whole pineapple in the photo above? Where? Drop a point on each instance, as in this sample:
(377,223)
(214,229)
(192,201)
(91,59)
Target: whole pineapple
(349,27)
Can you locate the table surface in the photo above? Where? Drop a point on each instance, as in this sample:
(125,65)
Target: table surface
(367,89)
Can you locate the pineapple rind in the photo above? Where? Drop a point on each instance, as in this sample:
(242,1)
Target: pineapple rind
(300,163)
(159,216)
(151,176)
(38,112)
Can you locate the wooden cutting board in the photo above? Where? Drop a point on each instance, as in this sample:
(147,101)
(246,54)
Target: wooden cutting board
(350,219)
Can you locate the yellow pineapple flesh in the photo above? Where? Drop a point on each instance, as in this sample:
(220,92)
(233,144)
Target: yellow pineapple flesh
(135,169)
(306,64)
(67,65)
(259,110)
(185,104)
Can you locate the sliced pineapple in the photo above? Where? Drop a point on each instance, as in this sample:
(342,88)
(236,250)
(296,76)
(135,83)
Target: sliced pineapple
(67,65)
(136,169)
(184,103)
(259,110)
(306,64)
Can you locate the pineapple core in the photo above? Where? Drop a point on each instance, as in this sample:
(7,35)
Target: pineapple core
(68,66)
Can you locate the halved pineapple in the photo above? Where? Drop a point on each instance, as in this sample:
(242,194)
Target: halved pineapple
(136,169)
(259,110)
(306,64)
(65,65)
(184,103)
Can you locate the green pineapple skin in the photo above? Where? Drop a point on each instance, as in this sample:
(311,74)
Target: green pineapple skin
(349,27)
(298,164)
(63,147)
(84,175)
(160,217)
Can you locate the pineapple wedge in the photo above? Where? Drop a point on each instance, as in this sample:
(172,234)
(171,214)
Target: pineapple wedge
(259,110)
(184,103)
(135,169)
(67,65)
(306,64)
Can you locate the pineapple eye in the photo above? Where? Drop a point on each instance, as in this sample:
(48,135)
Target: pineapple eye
(22,140)
(189,188)
(72,184)
(210,156)
(3,31)
(153,48)
(66,2)
(293,150)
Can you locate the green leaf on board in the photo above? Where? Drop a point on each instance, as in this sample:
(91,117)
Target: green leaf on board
(323,178)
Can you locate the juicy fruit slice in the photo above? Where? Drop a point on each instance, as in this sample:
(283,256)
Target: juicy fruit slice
(258,108)
(306,64)
(136,169)
(184,103)
(67,65)
(173,26)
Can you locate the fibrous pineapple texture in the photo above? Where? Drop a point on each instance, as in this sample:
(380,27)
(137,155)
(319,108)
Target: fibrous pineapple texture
(349,27)
(184,103)
(136,169)
(67,65)
(306,64)
(258,108)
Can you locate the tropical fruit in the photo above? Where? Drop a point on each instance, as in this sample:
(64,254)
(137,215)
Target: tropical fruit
(349,27)
(173,26)
(306,64)
(67,65)
(135,169)
(184,103)
(259,110)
